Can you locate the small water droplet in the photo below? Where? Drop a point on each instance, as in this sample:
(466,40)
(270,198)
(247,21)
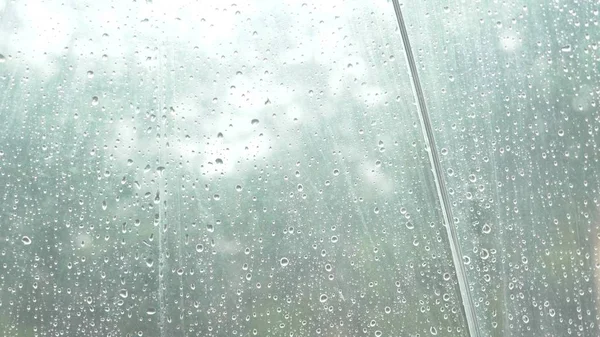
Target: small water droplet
(26,240)
(95,100)
(486,229)
(238,188)
(566,49)
(284,261)
(254,121)
(123,293)
(151,311)
(90,74)
(199,248)
(2,58)
(219,161)
(433,330)
(323,298)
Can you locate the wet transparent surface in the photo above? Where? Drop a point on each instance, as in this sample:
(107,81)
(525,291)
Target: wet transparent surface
(512,89)
(248,169)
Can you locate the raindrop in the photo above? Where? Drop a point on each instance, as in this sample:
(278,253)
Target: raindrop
(219,161)
(26,240)
(151,311)
(254,121)
(2,58)
(284,261)
(90,74)
(433,330)
(484,254)
(466,260)
(238,188)
(123,293)
(566,49)
(486,229)
(323,298)
(199,248)
(95,100)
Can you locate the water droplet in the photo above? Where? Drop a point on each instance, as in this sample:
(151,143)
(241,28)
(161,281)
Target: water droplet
(2,58)
(219,161)
(90,74)
(378,333)
(216,197)
(409,225)
(566,49)
(238,188)
(323,298)
(388,310)
(210,228)
(104,205)
(433,330)
(26,240)
(254,121)
(199,248)
(151,311)
(284,261)
(486,229)
(149,262)
(95,100)
(336,172)
(484,254)
(123,293)
(334,239)
(561,132)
